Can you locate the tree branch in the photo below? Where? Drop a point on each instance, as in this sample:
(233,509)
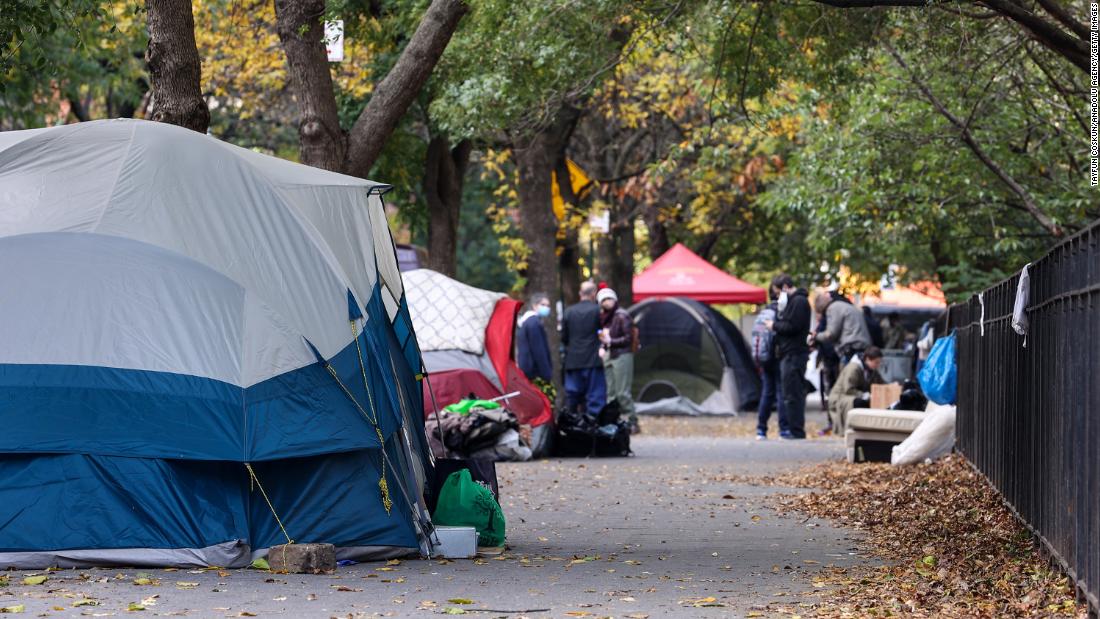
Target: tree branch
(968,138)
(1059,12)
(1071,48)
(397,91)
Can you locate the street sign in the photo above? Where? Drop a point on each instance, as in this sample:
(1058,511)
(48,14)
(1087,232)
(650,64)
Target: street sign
(334,40)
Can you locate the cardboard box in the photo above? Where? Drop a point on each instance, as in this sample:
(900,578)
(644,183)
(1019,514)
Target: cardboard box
(882,396)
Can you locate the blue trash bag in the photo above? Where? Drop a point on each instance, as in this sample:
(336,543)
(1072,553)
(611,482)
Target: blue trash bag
(940,376)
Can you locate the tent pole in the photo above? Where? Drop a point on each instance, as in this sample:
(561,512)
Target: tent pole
(435,408)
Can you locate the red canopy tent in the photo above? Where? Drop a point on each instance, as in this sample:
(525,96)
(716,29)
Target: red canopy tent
(680,272)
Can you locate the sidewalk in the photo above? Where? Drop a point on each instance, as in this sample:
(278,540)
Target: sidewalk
(666,533)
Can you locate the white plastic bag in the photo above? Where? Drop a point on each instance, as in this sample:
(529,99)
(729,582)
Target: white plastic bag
(933,438)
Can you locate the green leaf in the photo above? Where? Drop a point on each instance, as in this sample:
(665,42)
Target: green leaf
(18,608)
(35,580)
(260,564)
(460,601)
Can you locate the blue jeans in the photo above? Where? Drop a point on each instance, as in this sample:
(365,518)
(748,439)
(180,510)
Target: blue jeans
(792,381)
(770,398)
(586,387)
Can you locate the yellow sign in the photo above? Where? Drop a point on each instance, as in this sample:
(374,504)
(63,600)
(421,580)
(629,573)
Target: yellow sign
(577,178)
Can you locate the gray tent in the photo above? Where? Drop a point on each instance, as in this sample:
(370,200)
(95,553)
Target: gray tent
(693,361)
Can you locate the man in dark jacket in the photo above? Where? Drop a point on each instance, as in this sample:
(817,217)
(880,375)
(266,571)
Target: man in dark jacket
(532,346)
(585,384)
(792,326)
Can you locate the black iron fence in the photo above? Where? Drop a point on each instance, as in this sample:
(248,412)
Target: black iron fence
(1029,406)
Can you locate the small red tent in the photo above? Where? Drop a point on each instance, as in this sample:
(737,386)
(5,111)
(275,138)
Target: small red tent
(680,272)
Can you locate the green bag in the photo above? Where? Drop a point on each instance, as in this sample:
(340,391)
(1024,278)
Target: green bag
(466,503)
(463,407)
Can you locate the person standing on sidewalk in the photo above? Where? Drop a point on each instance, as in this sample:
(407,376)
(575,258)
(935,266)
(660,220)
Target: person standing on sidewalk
(763,353)
(585,383)
(617,335)
(792,328)
(533,347)
(846,328)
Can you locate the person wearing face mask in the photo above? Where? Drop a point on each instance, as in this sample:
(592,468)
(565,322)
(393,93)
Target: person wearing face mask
(791,327)
(532,345)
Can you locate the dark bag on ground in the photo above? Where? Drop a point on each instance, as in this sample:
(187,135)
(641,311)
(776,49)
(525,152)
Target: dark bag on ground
(581,435)
(911,399)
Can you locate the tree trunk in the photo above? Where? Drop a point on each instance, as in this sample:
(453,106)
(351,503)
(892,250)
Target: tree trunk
(301,31)
(174,66)
(658,233)
(536,156)
(444,174)
(618,251)
(397,91)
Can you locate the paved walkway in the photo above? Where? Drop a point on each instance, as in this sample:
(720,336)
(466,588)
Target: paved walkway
(655,535)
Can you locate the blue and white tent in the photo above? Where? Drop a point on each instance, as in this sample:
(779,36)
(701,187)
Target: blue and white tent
(204,351)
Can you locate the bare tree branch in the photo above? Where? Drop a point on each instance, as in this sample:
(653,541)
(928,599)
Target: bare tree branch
(968,139)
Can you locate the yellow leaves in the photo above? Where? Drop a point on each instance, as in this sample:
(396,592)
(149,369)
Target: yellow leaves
(243,64)
(785,126)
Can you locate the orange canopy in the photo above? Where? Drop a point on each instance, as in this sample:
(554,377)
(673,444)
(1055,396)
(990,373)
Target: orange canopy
(916,295)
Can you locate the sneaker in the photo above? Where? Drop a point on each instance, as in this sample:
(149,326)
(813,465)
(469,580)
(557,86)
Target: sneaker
(825,432)
(761,436)
(787,436)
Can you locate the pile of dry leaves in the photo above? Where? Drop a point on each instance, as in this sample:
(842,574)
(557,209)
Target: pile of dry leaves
(951,546)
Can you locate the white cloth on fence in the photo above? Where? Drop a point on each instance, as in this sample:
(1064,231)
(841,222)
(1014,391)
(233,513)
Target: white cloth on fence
(981,320)
(1019,309)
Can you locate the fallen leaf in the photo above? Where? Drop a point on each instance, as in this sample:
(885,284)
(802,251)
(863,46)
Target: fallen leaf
(134,606)
(86,602)
(150,601)
(186,585)
(460,601)
(453,610)
(260,564)
(393,562)
(35,580)
(245,613)
(18,608)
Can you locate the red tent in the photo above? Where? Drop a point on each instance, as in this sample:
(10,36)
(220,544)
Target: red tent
(680,272)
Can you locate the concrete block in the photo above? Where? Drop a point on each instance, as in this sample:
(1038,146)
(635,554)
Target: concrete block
(302,558)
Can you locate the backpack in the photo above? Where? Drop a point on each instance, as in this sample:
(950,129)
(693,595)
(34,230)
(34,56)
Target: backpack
(763,348)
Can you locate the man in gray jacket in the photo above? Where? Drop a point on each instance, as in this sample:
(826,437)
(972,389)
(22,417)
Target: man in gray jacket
(845,327)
